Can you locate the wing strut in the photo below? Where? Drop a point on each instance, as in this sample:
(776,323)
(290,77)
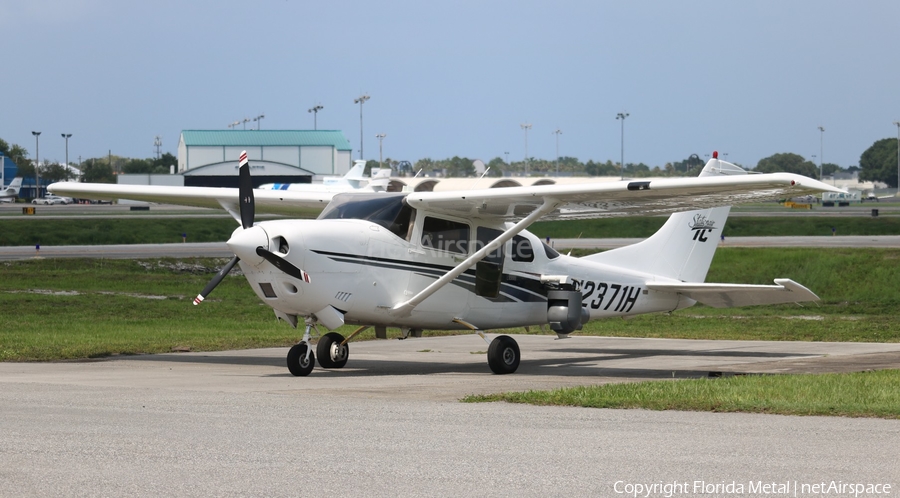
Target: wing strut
(405,308)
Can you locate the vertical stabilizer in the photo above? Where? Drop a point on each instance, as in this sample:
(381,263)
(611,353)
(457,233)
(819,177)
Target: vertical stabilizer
(356,172)
(684,247)
(355,177)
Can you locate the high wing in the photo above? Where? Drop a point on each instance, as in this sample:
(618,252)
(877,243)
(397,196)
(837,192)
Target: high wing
(603,200)
(282,202)
(587,200)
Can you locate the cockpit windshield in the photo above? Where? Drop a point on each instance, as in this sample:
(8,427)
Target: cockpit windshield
(386,209)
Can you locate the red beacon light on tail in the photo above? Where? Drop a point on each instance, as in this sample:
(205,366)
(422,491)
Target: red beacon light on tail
(715,154)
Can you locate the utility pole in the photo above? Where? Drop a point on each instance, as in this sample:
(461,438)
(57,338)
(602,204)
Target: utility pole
(157,142)
(315,110)
(898,156)
(380,138)
(361,100)
(37,162)
(821,150)
(622,116)
(526,127)
(66,136)
(558,132)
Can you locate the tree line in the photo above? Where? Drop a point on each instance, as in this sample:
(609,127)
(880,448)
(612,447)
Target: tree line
(93,170)
(878,163)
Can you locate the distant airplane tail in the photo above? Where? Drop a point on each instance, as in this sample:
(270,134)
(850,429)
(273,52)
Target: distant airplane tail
(356,172)
(683,248)
(7,194)
(355,177)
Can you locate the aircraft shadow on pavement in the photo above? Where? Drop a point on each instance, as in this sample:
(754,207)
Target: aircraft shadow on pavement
(715,353)
(588,363)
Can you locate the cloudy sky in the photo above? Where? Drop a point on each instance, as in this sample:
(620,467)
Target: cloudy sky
(458,78)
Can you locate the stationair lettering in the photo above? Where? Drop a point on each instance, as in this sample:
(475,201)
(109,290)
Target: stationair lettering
(701,225)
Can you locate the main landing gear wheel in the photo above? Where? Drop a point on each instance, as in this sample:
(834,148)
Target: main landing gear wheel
(331,353)
(503,355)
(298,362)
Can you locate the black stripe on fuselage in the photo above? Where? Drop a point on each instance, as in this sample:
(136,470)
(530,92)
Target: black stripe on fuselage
(512,287)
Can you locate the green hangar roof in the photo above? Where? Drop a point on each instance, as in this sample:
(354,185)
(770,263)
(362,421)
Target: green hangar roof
(240,138)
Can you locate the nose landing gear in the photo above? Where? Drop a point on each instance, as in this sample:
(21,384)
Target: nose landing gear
(300,358)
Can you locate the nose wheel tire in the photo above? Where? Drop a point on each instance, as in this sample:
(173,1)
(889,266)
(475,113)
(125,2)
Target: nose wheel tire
(330,352)
(298,362)
(503,355)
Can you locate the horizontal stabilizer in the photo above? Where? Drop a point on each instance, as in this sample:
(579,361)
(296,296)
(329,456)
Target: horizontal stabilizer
(785,290)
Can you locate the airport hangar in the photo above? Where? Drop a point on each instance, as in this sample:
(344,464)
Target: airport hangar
(209,158)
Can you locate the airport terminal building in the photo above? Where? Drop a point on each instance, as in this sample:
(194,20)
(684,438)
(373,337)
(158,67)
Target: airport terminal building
(209,158)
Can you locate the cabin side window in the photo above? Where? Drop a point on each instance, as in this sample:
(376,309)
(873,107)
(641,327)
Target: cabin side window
(521,250)
(445,235)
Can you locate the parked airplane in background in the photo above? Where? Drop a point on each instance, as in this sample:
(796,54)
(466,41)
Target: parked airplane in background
(10,193)
(353,180)
(463,259)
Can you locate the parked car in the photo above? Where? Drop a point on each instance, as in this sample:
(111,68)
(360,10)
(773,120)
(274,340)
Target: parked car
(52,199)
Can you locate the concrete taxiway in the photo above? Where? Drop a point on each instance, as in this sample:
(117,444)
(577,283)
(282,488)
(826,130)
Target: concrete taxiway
(390,424)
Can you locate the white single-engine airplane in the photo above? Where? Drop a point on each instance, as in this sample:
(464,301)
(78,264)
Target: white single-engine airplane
(463,259)
(352,181)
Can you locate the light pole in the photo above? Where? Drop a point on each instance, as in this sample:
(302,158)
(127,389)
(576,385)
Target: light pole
(821,150)
(315,110)
(246,120)
(37,161)
(66,136)
(380,138)
(157,142)
(622,116)
(232,125)
(898,155)
(258,120)
(526,127)
(558,132)
(361,100)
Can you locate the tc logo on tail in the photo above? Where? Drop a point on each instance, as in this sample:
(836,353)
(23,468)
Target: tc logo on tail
(701,225)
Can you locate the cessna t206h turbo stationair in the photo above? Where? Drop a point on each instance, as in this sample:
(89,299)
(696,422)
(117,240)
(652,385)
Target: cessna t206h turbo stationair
(463,259)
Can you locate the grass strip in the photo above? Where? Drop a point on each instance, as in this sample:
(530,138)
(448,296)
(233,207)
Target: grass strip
(859,394)
(735,226)
(105,231)
(79,308)
(138,230)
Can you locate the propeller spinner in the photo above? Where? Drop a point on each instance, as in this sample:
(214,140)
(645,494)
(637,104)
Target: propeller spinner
(249,240)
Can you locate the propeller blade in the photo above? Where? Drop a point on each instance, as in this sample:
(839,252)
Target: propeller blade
(283,264)
(245,190)
(215,281)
